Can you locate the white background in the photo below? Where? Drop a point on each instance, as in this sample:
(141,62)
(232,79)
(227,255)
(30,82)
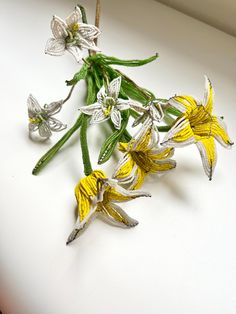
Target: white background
(181,257)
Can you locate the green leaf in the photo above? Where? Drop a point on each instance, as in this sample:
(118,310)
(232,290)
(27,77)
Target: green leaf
(44,160)
(81,75)
(110,143)
(91,90)
(128,63)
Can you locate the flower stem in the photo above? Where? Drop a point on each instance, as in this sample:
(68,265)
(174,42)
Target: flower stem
(84,19)
(69,95)
(97,17)
(84,147)
(52,152)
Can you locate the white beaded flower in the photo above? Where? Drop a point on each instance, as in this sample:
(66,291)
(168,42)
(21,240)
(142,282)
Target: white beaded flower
(41,120)
(71,35)
(108,104)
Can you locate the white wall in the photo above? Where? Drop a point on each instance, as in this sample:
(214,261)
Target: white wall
(220,14)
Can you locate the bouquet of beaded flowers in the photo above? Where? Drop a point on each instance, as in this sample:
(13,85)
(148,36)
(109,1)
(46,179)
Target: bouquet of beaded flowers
(114,98)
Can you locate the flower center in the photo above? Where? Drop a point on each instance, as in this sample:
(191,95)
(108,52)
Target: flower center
(142,160)
(35,120)
(108,103)
(73,38)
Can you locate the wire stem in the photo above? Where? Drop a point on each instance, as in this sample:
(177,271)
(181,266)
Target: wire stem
(97,17)
(69,95)
(52,152)
(84,147)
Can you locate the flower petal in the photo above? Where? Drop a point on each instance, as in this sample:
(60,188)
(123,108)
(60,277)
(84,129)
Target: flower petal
(33,127)
(138,107)
(56,125)
(101,95)
(216,128)
(207,150)
(117,216)
(184,103)
(161,153)
(33,106)
(156,112)
(80,226)
(139,177)
(118,194)
(124,169)
(88,44)
(54,107)
(89,31)
(162,165)
(146,138)
(208,95)
(181,134)
(219,131)
(123,104)
(76,53)
(44,130)
(116,118)
(98,116)
(74,17)
(55,47)
(114,87)
(58,27)
(89,110)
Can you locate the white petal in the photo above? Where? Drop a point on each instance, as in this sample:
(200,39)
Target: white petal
(156,112)
(55,125)
(125,192)
(58,27)
(114,87)
(44,130)
(80,225)
(116,118)
(89,31)
(178,126)
(98,116)
(55,47)
(138,107)
(33,127)
(89,110)
(33,106)
(101,94)
(87,44)
(111,212)
(53,107)
(123,104)
(208,167)
(76,53)
(74,17)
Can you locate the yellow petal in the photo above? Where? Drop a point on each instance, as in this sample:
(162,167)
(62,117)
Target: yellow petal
(116,215)
(185,104)
(180,134)
(139,177)
(208,96)
(161,153)
(162,165)
(125,167)
(85,190)
(207,150)
(123,147)
(216,128)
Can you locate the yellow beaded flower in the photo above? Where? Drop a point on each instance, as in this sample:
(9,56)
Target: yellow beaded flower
(143,156)
(96,194)
(198,125)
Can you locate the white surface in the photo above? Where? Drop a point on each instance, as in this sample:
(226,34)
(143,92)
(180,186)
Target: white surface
(181,258)
(218,13)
